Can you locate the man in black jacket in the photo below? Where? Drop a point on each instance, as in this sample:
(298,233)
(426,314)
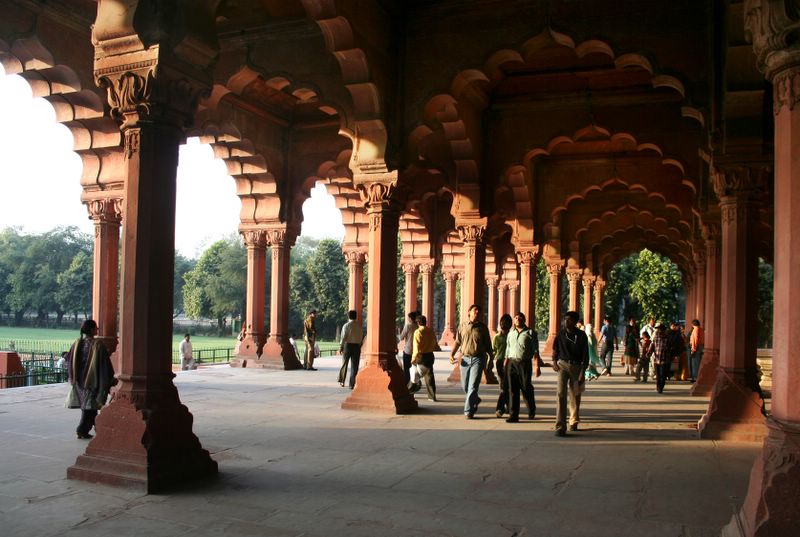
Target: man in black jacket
(570,360)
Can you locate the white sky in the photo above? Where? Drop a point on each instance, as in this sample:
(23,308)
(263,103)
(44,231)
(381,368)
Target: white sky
(40,180)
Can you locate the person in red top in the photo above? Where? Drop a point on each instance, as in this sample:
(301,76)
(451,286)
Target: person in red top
(696,343)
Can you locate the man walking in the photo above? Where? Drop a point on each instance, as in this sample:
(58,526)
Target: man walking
(608,342)
(475,344)
(407,339)
(187,361)
(422,359)
(521,349)
(570,360)
(662,357)
(350,348)
(650,330)
(310,337)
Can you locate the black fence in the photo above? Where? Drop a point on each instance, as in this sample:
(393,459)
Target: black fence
(40,368)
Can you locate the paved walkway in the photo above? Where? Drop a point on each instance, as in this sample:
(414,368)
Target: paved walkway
(293,463)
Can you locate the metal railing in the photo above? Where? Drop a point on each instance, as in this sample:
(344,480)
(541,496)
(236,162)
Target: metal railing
(40,368)
(207,356)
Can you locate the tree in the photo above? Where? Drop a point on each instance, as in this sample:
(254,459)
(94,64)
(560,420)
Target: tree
(216,287)
(617,299)
(327,272)
(542,299)
(182,266)
(766,280)
(657,287)
(74,294)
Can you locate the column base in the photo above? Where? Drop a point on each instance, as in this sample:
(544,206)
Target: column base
(707,374)
(149,449)
(488,377)
(548,345)
(277,353)
(770,507)
(448,338)
(734,411)
(381,390)
(247,350)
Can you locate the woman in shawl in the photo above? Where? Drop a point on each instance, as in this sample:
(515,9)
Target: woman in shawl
(594,360)
(631,354)
(91,376)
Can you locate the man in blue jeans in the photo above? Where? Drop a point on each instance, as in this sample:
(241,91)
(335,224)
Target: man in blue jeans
(608,341)
(475,344)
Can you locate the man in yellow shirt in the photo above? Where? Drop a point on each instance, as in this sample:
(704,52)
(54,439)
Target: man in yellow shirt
(422,358)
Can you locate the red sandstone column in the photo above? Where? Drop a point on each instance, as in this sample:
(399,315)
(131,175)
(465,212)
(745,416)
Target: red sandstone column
(573,277)
(513,298)
(734,411)
(691,299)
(472,232)
(555,269)
(710,362)
(107,217)
(527,260)
(380,385)
(700,287)
(355,266)
(770,507)
(599,288)
(411,271)
(449,333)
(278,353)
(491,315)
(502,299)
(251,346)
(144,436)
(588,281)
(427,270)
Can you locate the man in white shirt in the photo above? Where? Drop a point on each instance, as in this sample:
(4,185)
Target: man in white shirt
(187,362)
(350,348)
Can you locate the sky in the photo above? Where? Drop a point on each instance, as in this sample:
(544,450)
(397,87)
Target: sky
(40,180)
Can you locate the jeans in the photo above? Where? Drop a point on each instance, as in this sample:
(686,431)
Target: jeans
(471,371)
(694,362)
(568,376)
(407,366)
(607,356)
(502,377)
(351,356)
(642,369)
(662,372)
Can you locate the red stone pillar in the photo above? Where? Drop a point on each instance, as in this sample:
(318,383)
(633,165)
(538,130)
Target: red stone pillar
(278,353)
(734,411)
(144,436)
(527,260)
(107,217)
(427,270)
(513,298)
(411,271)
(502,299)
(710,362)
(700,289)
(449,333)
(491,315)
(555,268)
(380,385)
(691,298)
(251,346)
(355,295)
(770,507)
(599,288)
(574,278)
(588,282)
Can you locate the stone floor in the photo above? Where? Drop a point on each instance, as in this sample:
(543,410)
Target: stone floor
(293,463)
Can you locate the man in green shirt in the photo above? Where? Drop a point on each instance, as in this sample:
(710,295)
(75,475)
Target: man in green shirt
(475,344)
(522,346)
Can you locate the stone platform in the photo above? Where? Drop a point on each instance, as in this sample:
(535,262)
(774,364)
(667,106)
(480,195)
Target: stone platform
(293,463)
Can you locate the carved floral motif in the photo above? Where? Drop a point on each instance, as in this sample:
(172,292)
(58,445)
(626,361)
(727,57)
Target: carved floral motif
(740,180)
(527,257)
(471,234)
(355,257)
(255,238)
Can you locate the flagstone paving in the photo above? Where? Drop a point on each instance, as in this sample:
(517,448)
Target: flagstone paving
(293,463)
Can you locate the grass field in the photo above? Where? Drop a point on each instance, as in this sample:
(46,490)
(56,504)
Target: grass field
(54,340)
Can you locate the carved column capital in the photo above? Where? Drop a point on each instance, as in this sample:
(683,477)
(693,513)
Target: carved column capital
(771,26)
(276,238)
(471,234)
(711,232)
(742,181)
(528,257)
(410,268)
(588,280)
(254,238)
(379,196)
(599,285)
(105,211)
(355,257)
(574,276)
(491,281)
(555,268)
(450,276)
(428,267)
(512,285)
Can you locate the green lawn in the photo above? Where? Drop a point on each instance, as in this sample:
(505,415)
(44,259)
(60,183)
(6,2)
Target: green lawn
(54,340)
